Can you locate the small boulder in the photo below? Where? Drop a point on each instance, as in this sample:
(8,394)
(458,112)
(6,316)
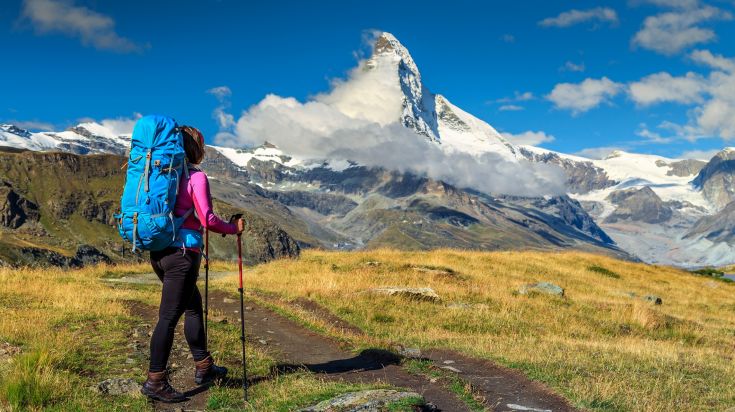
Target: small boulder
(411,353)
(7,351)
(542,287)
(375,400)
(424,294)
(653,299)
(119,386)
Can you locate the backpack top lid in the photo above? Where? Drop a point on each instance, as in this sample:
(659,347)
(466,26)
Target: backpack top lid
(158,133)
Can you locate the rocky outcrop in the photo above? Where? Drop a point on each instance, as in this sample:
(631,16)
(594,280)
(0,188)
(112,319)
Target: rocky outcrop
(85,255)
(15,210)
(323,203)
(571,213)
(682,168)
(582,176)
(374,400)
(719,227)
(638,204)
(545,288)
(421,294)
(717,178)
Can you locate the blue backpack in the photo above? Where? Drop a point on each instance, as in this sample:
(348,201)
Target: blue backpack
(156,165)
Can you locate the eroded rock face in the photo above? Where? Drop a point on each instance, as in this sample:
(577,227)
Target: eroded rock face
(717,178)
(682,168)
(582,177)
(85,255)
(719,227)
(15,210)
(571,213)
(641,205)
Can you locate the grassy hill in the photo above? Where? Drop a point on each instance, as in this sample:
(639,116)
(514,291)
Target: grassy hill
(603,346)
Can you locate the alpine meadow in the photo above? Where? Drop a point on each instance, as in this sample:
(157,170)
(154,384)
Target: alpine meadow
(332,207)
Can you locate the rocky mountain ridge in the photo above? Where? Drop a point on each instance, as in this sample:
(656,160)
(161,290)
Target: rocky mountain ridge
(628,204)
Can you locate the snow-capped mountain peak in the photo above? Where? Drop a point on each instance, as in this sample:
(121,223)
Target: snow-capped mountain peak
(432,115)
(10,128)
(89,137)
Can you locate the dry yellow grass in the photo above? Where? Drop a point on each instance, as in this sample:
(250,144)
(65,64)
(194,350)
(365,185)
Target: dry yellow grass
(600,347)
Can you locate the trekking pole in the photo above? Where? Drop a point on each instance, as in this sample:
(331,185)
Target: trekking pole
(234,219)
(242,318)
(206,285)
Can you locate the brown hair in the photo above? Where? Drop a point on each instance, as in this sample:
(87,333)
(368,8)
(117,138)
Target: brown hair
(193,144)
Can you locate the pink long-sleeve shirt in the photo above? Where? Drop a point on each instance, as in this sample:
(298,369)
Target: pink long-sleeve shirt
(197,188)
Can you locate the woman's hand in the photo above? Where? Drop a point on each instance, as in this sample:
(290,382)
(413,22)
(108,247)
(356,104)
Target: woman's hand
(240,225)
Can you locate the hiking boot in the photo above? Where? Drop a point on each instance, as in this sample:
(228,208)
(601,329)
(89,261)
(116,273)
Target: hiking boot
(158,388)
(207,371)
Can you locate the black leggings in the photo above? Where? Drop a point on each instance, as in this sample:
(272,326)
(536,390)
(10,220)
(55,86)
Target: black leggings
(178,271)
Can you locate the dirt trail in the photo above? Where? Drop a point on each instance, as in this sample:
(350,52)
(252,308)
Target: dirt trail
(297,347)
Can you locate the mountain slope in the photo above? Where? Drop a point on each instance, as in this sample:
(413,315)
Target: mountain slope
(57,208)
(643,204)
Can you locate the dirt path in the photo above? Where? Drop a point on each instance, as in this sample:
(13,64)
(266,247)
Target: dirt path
(180,362)
(298,347)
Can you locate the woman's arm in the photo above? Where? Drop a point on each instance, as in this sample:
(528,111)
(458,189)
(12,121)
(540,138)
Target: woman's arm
(203,205)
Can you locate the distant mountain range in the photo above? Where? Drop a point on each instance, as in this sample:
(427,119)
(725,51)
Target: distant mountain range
(660,210)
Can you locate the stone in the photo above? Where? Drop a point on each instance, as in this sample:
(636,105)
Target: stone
(119,386)
(448,362)
(451,369)
(262,341)
(228,300)
(653,299)
(7,351)
(542,287)
(421,294)
(516,407)
(374,400)
(411,353)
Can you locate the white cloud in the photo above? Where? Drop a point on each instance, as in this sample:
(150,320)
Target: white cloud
(225,120)
(671,32)
(713,97)
(510,108)
(91,27)
(517,97)
(358,120)
(583,96)
(119,126)
(530,138)
(705,155)
(651,136)
(663,87)
(572,67)
(597,152)
(220,92)
(676,4)
(715,61)
(508,38)
(572,17)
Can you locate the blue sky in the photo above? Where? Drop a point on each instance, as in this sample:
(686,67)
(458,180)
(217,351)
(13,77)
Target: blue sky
(575,73)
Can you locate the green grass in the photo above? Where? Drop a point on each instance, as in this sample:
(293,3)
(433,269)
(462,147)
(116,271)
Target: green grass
(603,271)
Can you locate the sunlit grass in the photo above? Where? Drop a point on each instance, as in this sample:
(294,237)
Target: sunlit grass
(602,346)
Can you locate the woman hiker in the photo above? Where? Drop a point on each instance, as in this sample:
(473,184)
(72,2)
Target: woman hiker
(178,269)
